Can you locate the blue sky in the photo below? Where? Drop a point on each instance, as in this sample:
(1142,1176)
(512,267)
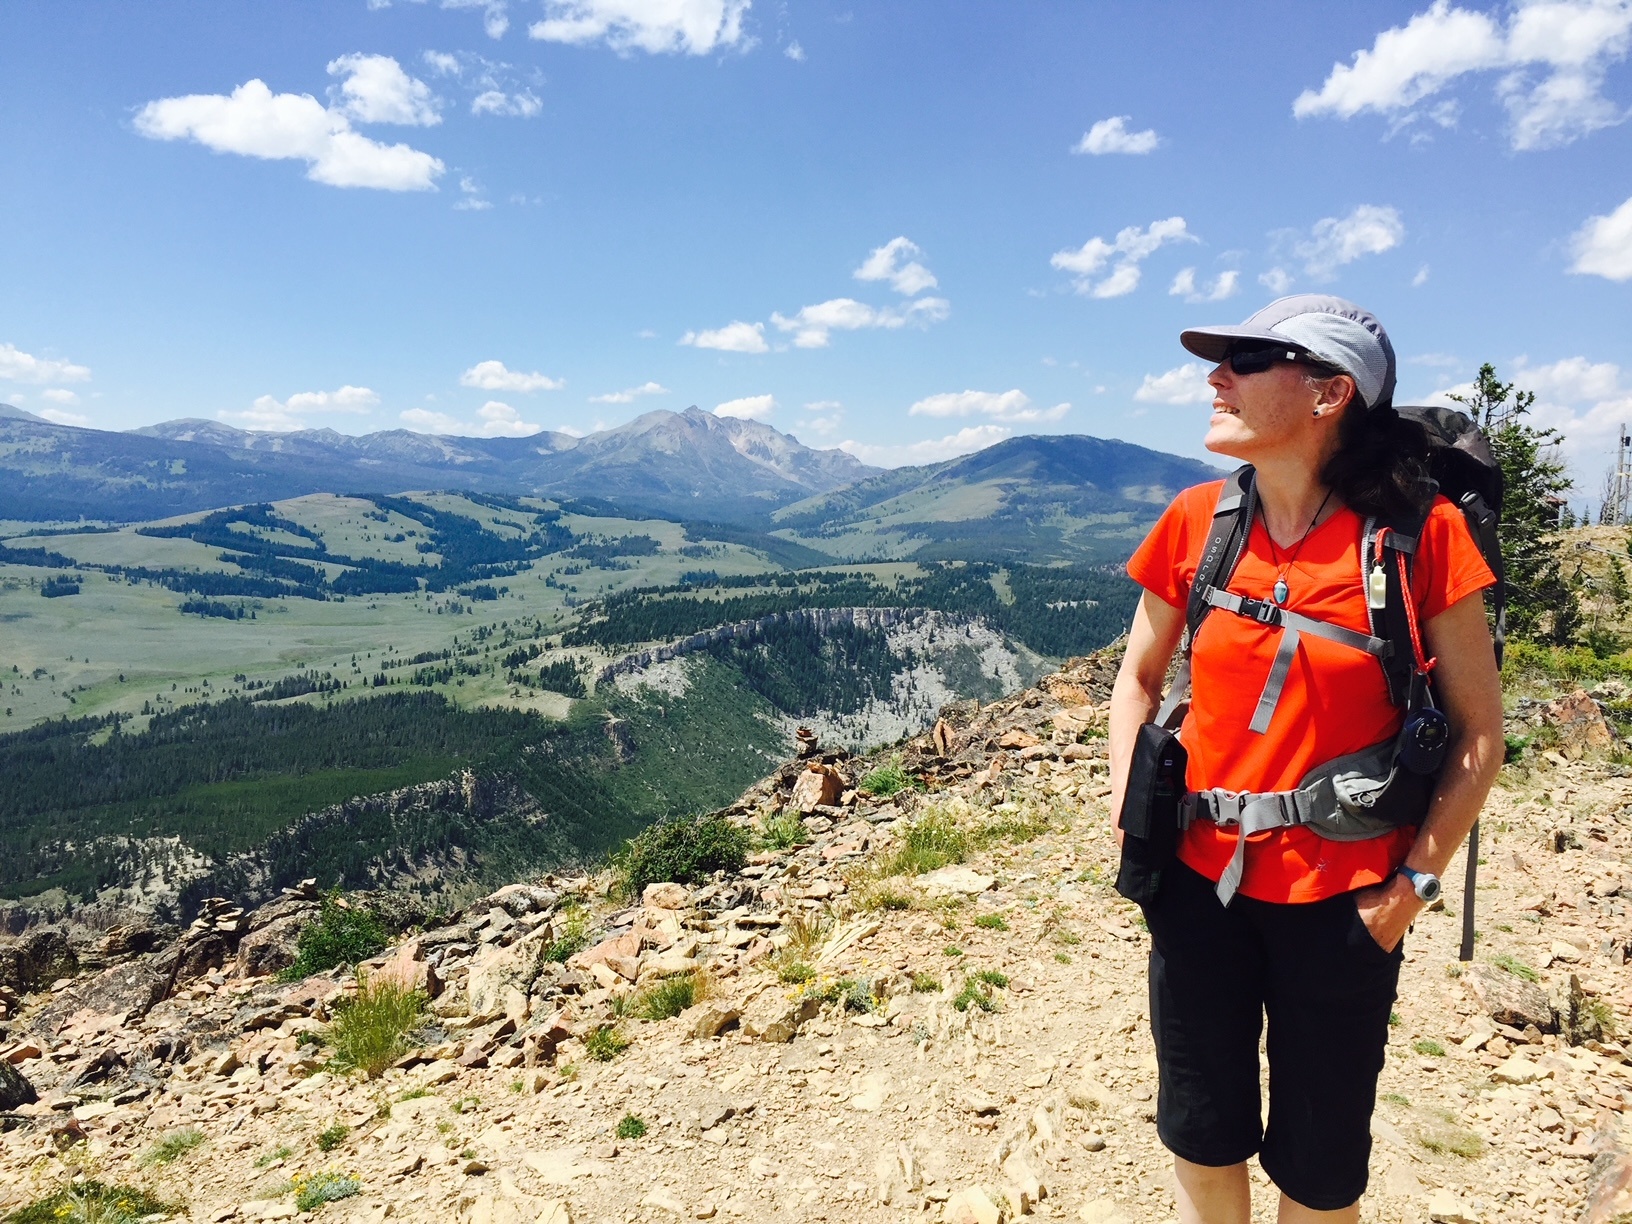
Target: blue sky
(909,228)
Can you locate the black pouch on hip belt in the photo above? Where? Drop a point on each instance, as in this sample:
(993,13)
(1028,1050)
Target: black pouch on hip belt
(1150,812)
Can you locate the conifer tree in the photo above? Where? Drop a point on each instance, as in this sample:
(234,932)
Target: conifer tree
(1540,602)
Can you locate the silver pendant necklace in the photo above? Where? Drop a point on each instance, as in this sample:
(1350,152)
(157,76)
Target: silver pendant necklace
(1280,591)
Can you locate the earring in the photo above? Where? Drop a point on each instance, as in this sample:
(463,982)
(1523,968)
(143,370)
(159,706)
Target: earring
(1316,412)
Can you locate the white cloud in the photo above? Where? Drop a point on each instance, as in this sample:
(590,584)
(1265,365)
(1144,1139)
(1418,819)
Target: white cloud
(442,63)
(254,122)
(1603,246)
(1012,406)
(1421,278)
(629,395)
(748,408)
(494,376)
(423,420)
(502,421)
(270,413)
(694,27)
(823,406)
(375,89)
(494,419)
(1276,280)
(737,337)
(1112,136)
(1573,380)
(794,52)
(58,417)
(829,416)
(1223,286)
(59,395)
(21,367)
(1132,246)
(884,264)
(1552,57)
(495,18)
(1185,384)
(931,450)
(1336,241)
(813,325)
(524,104)
(472,199)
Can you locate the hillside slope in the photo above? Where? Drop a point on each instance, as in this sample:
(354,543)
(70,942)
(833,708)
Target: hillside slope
(1038,499)
(966,1044)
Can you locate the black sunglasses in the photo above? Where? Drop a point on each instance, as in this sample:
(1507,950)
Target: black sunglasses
(1255,360)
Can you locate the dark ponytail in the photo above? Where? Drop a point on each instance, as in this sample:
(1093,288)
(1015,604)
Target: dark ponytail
(1381,464)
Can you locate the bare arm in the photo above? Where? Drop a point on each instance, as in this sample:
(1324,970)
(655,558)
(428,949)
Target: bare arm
(1471,691)
(1137,695)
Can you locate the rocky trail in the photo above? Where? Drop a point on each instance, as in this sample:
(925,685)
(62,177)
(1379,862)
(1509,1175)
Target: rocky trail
(872,1042)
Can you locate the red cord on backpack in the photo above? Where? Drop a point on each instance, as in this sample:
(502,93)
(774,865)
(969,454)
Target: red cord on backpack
(1424,664)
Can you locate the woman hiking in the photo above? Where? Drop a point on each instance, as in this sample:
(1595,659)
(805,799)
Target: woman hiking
(1283,902)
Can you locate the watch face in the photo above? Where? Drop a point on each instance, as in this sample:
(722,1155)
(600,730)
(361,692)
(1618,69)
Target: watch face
(1428,889)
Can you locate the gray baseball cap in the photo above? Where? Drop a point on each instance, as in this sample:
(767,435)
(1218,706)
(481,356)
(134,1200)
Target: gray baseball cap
(1329,329)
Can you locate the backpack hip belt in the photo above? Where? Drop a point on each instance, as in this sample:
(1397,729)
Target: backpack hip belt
(1354,797)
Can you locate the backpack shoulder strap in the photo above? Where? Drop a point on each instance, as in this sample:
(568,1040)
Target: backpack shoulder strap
(1226,539)
(1382,544)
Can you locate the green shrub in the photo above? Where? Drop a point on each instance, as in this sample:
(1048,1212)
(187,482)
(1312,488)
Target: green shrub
(889,779)
(1063,957)
(933,841)
(951,950)
(573,937)
(925,983)
(992,922)
(175,1144)
(281,1152)
(852,994)
(795,973)
(1515,966)
(685,850)
(1428,1047)
(332,1136)
(605,1043)
(631,1127)
(91,1202)
(370,1030)
(668,998)
(783,831)
(1513,747)
(328,1187)
(975,994)
(340,935)
(992,977)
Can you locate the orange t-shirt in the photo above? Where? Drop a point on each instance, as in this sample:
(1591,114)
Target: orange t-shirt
(1335,700)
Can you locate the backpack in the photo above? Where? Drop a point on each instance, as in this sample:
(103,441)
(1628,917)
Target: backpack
(1466,472)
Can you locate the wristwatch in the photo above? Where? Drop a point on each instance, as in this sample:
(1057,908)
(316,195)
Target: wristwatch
(1425,883)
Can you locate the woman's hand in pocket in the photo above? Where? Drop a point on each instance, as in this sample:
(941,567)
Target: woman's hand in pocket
(1388,910)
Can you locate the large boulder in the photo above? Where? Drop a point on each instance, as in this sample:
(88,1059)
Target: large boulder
(125,992)
(1509,999)
(272,946)
(35,959)
(14,1089)
(1580,723)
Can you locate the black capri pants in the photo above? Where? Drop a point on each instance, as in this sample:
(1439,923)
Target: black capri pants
(1327,988)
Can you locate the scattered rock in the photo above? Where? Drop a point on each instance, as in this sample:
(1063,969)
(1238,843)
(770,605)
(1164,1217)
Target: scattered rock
(955,881)
(1445,1207)
(971,1206)
(1580,723)
(772,1016)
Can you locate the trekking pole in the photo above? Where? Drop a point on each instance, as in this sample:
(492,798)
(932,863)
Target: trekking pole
(1466,954)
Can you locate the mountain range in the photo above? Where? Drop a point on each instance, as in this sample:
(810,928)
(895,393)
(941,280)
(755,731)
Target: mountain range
(1038,498)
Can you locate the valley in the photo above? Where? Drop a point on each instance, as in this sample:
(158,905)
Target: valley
(428,691)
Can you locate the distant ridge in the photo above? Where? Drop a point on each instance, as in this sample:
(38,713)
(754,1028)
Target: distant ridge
(683,465)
